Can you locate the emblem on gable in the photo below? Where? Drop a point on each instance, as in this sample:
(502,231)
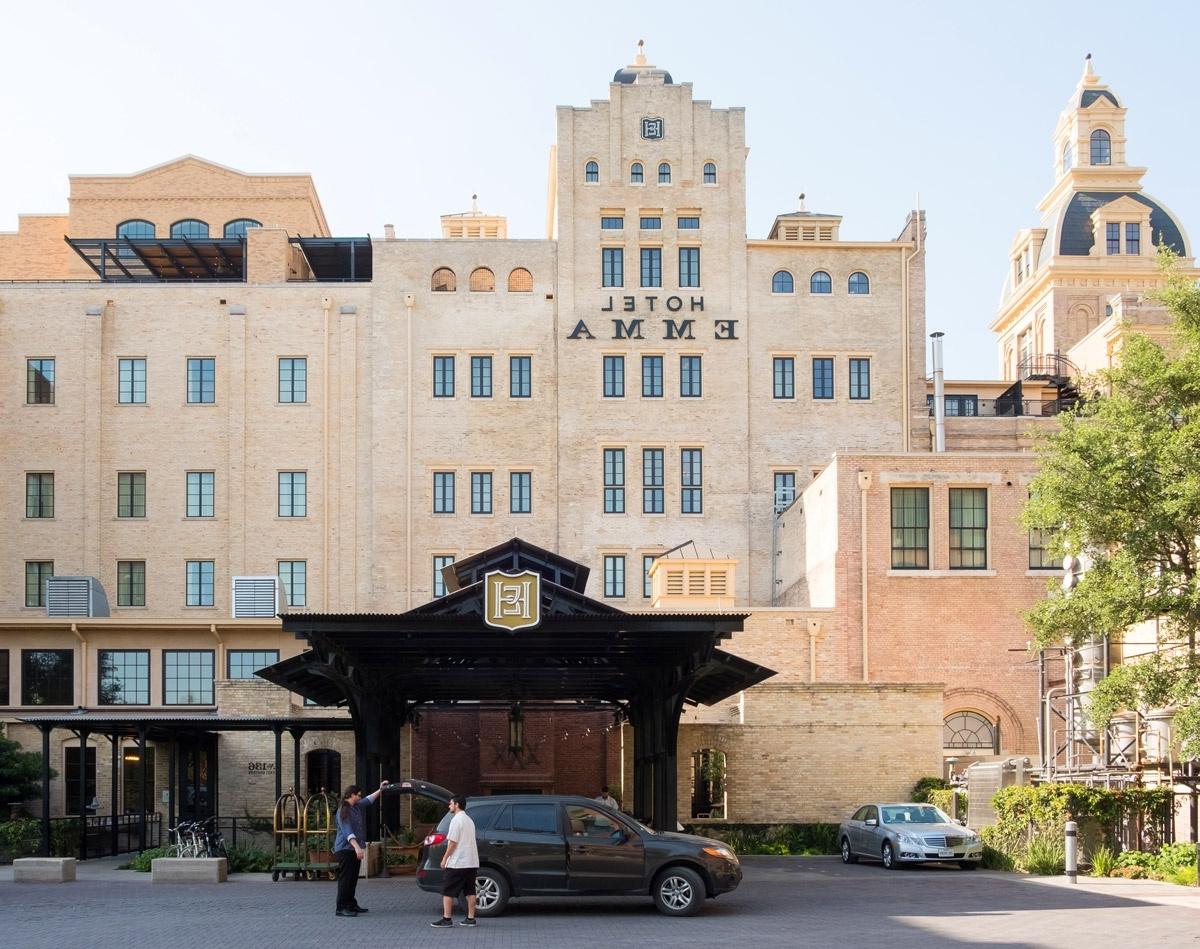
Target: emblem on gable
(654,128)
(512,601)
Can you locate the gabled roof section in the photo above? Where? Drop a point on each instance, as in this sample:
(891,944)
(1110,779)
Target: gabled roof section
(513,556)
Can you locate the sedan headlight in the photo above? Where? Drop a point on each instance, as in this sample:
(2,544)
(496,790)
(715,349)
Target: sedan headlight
(911,840)
(723,852)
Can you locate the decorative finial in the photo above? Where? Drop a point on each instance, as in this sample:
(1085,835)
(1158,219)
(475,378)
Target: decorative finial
(474,204)
(801,200)
(1088,73)
(640,58)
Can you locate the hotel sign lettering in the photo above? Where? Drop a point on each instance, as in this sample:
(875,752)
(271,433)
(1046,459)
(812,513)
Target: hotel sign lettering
(666,327)
(512,601)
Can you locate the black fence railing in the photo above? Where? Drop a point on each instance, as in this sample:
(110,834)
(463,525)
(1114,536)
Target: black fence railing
(1004,408)
(1047,366)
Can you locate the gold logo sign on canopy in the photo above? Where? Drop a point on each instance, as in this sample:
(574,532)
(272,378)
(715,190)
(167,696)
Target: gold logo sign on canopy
(512,601)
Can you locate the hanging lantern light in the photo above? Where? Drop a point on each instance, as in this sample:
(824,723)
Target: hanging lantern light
(516,729)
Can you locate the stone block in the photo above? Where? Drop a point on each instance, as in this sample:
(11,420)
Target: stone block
(44,870)
(189,870)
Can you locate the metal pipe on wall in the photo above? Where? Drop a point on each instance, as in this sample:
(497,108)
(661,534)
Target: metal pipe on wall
(939,394)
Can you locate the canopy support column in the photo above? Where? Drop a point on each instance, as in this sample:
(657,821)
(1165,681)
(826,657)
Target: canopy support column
(113,807)
(83,798)
(143,790)
(378,716)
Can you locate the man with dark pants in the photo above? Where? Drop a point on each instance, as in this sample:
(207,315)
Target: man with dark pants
(459,864)
(349,846)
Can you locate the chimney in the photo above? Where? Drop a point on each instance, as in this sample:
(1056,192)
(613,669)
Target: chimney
(389,232)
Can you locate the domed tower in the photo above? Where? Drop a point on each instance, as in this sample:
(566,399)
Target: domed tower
(1074,281)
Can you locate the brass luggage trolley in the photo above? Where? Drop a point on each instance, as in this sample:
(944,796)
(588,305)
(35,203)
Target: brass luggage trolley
(287,825)
(318,833)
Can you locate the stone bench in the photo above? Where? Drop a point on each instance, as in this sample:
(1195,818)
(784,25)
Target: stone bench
(44,870)
(189,870)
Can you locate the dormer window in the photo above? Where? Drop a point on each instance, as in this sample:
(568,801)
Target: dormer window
(1101,148)
(1133,238)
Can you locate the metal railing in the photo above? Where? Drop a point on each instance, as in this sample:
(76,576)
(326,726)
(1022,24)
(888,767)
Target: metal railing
(1046,365)
(1004,408)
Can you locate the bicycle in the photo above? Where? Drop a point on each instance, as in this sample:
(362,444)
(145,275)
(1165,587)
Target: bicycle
(187,840)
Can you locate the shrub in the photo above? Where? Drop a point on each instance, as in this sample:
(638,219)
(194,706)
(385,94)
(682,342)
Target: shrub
(794,839)
(1046,855)
(141,862)
(246,858)
(1184,876)
(19,838)
(1103,861)
(920,791)
(994,859)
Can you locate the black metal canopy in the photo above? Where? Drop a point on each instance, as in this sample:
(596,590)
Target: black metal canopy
(337,258)
(153,260)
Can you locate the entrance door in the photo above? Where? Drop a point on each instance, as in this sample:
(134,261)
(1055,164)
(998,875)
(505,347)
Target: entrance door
(602,853)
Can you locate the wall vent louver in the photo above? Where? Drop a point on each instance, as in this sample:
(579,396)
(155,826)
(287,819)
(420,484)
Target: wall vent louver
(75,596)
(255,596)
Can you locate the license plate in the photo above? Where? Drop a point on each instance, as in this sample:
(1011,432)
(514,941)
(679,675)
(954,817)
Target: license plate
(942,852)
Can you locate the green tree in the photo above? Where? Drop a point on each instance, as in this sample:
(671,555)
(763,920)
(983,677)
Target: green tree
(1120,483)
(20,773)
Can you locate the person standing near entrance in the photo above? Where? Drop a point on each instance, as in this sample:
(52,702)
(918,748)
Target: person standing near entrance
(459,864)
(607,799)
(349,846)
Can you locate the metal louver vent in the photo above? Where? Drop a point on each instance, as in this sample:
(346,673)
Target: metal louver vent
(75,596)
(255,596)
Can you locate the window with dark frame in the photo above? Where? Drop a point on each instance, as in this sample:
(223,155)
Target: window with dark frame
(190,229)
(968,528)
(481,377)
(653,480)
(1112,234)
(187,677)
(39,494)
(200,493)
(481,492)
(785,489)
(131,583)
(822,377)
(614,480)
(201,381)
(293,494)
(910,528)
(664,173)
(239,227)
(520,492)
(439,582)
(820,282)
(72,802)
(131,494)
(37,572)
(242,664)
(520,377)
(647,584)
(688,223)
(612,223)
(689,266)
(200,585)
(39,381)
(131,381)
(4,677)
(1101,149)
(614,377)
(123,677)
(651,266)
(614,575)
(47,677)
(443,492)
(860,378)
(858,283)
(1040,544)
(1133,239)
(652,377)
(782,282)
(612,264)
(443,377)
(690,377)
(591,172)
(710,173)
(293,379)
(691,479)
(293,574)
(784,372)
(650,223)
(636,173)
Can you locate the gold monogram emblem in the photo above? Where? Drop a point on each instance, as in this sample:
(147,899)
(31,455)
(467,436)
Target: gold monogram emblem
(512,601)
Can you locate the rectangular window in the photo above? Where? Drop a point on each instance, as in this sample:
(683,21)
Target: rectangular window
(785,377)
(293,494)
(131,494)
(860,378)
(481,377)
(964,405)
(653,480)
(691,479)
(4,684)
(822,378)
(131,583)
(614,377)
(201,381)
(614,576)
(785,489)
(47,677)
(39,381)
(652,377)
(520,377)
(439,582)
(1040,557)
(243,663)
(293,379)
(443,492)
(520,492)
(688,223)
(647,585)
(1133,239)
(968,528)
(481,492)
(443,377)
(1113,238)
(124,677)
(612,223)
(650,223)
(614,480)
(187,677)
(39,494)
(200,493)
(689,377)
(72,772)
(612,261)
(651,266)
(131,381)
(689,266)
(293,574)
(199,583)
(37,572)
(910,528)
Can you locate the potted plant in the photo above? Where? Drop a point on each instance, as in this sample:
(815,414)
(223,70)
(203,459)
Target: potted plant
(400,851)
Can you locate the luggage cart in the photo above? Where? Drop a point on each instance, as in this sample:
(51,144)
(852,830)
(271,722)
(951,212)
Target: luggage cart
(318,833)
(287,825)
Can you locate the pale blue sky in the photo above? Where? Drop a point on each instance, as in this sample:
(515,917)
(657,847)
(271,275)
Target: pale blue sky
(402,111)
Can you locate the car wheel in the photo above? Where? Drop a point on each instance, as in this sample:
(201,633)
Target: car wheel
(888,855)
(491,892)
(848,855)
(679,891)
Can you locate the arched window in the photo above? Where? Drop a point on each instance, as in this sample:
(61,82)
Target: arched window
(482,280)
(820,282)
(709,798)
(239,227)
(443,281)
(710,173)
(190,228)
(1101,148)
(664,174)
(635,173)
(782,282)
(520,281)
(859,283)
(591,171)
(968,730)
(324,771)
(1066,157)
(135,230)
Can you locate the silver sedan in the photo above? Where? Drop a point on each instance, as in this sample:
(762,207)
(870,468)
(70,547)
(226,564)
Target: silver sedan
(908,833)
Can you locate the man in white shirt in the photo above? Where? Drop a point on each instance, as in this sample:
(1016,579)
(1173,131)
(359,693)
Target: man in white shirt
(607,799)
(459,864)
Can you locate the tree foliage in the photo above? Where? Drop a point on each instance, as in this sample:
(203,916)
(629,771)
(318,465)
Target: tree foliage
(20,773)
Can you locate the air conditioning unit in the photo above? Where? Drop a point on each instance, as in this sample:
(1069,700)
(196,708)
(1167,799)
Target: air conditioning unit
(75,596)
(255,596)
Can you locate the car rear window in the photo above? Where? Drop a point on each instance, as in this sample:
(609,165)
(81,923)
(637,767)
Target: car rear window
(535,818)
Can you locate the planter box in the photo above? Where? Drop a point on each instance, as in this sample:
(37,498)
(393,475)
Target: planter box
(44,870)
(189,870)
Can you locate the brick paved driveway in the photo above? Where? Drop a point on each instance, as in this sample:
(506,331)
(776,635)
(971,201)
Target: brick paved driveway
(784,901)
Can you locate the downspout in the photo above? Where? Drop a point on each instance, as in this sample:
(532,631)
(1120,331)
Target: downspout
(326,306)
(220,663)
(864,485)
(939,395)
(409,301)
(83,680)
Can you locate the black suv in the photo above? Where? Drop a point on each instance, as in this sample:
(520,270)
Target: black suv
(561,845)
